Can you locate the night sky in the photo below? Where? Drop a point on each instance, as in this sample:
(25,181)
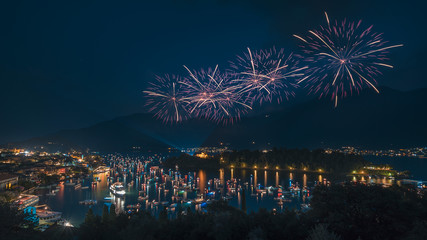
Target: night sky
(72,64)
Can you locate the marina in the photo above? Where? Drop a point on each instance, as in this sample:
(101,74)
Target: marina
(140,183)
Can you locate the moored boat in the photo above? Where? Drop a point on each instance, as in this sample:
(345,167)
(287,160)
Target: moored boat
(88,202)
(142,198)
(117,189)
(108,199)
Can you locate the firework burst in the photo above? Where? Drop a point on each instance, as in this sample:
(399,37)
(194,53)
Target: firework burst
(166,100)
(344,58)
(212,95)
(266,75)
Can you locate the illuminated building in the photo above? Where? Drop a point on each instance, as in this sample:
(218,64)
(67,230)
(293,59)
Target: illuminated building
(7,181)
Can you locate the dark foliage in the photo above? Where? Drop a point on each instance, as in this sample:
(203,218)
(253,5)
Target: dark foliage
(13,224)
(370,212)
(338,212)
(281,158)
(191,162)
(295,158)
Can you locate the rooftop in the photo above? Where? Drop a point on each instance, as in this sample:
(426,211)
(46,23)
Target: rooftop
(5,176)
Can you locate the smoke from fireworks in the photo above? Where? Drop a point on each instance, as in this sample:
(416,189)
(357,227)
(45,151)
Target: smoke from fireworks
(344,58)
(266,75)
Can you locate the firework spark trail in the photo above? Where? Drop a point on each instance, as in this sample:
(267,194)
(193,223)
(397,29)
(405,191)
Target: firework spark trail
(343,58)
(211,95)
(338,59)
(165,99)
(266,75)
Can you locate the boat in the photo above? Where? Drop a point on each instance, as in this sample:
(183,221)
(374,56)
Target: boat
(263,191)
(117,189)
(77,186)
(88,202)
(136,206)
(108,199)
(69,184)
(226,198)
(176,198)
(51,193)
(141,198)
(26,201)
(47,216)
(85,187)
(305,207)
(101,169)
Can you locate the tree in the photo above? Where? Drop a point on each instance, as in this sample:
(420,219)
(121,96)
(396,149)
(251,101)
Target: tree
(11,219)
(90,218)
(112,212)
(163,215)
(320,232)
(105,214)
(179,211)
(243,200)
(189,212)
(371,212)
(91,228)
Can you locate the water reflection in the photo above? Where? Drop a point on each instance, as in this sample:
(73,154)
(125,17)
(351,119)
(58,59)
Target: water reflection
(265,178)
(202,177)
(153,189)
(304,179)
(255,177)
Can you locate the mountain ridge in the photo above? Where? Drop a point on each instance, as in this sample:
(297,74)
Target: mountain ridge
(392,118)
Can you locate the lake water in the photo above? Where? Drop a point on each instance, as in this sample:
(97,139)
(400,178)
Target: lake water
(416,166)
(67,199)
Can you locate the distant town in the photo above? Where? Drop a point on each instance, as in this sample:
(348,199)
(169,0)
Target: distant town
(418,152)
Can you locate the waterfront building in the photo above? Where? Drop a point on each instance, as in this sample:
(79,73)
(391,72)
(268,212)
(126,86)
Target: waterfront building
(25,201)
(7,181)
(47,216)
